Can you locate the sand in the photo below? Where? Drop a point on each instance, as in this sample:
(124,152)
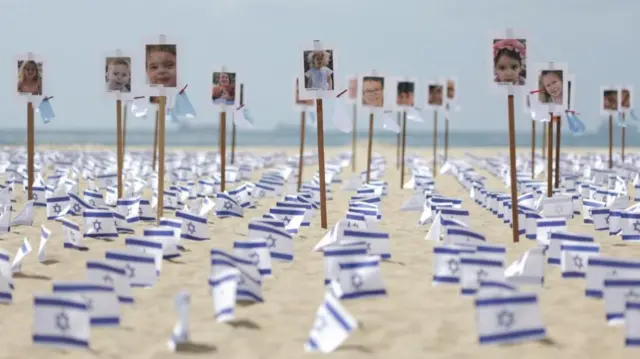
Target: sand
(416,320)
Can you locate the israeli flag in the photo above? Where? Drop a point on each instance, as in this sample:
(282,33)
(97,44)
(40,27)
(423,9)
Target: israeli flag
(332,326)
(107,180)
(546,226)
(336,254)
(242,196)
(72,235)
(632,323)
(575,257)
(587,207)
(292,218)
(99,223)
(249,287)
(145,211)
(508,319)
(61,321)
(39,197)
(279,241)
(167,237)
(617,292)
(147,246)
(600,267)
(490,251)
(560,206)
(180,333)
(140,267)
(194,227)
(356,221)
(377,243)
(601,217)
(227,207)
(359,278)
(460,215)
(109,274)
(495,288)
(6,290)
(224,285)
(446,264)
(531,224)
(24,218)
(78,205)
(58,206)
(556,239)
(101,300)
(630,226)
(255,250)
(23,251)
(5,220)
(306,207)
(130,209)
(474,270)
(262,191)
(462,235)
(44,237)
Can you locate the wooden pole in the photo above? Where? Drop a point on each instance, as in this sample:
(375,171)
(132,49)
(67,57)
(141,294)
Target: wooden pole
(233,128)
(533,149)
(124,129)
(370,147)
(558,137)
(303,121)
(544,142)
(404,148)
(323,185)
(155,139)
(354,138)
(512,166)
(435,143)
(623,136)
(119,145)
(446,138)
(30,150)
(398,143)
(223,149)
(162,105)
(550,157)
(610,141)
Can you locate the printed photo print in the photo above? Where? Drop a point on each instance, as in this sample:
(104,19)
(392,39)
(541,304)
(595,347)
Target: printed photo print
(318,69)
(117,74)
(405,93)
(509,61)
(373,91)
(161,64)
(551,87)
(29,77)
(224,88)
(610,100)
(625,98)
(435,95)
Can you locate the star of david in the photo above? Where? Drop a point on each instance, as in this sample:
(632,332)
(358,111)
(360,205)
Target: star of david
(614,273)
(558,209)
(191,228)
(241,279)
(261,193)
(632,295)
(481,275)
(76,208)
(453,265)
(107,279)
(255,258)
(89,302)
(506,319)
(352,224)
(35,196)
(636,226)
(128,211)
(130,270)
(227,205)
(578,262)
(286,220)
(320,323)
(271,242)
(56,208)
(97,225)
(606,218)
(72,236)
(238,198)
(356,281)
(92,202)
(109,182)
(140,211)
(62,321)
(368,244)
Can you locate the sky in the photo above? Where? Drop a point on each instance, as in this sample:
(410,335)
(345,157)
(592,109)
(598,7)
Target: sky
(262,41)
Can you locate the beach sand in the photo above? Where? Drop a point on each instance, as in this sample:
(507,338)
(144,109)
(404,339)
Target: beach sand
(415,320)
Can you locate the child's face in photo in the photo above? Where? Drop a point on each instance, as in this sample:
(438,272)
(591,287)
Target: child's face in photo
(161,68)
(451,90)
(611,100)
(372,94)
(223,79)
(30,70)
(508,69)
(317,60)
(435,95)
(118,75)
(625,102)
(552,85)
(405,99)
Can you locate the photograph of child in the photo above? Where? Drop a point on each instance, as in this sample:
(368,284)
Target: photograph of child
(353,88)
(610,99)
(405,93)
(224,88)
(550,85)
(29,77)
(373,91)
(435,95)
(117,74)
(299,101)
(625,100)
(318,69)
(161,65)
(451,90)
(509,61)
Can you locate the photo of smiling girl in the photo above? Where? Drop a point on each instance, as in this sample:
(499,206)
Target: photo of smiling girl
(29,77)
(162,65)
(117,75)
(551,86)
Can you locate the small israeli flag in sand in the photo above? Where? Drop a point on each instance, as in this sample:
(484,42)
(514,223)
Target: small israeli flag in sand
(601,217)
(5,266)
(194,227)
(279,241)
(78,205)
(377,242)
(336,254)
(528,269)
(110,274)
(360,277)
(531,224)
(5,220)
(167,237)
(632,323)
(224,285)
(462,235)
(24,218)
(58,206)
(617,292)
(101,300)
(99,223)
(149,246)
(509,318)
(6,290)
(180,333)
(332,326)
(601,267)
(24,249)
(72,235)
(61,321)
(291,217)
(44,237)
(630,226)
(94,198)
(557,239)
(140,267)
(446,264)
(226,206)
(242,196)
(257,251)
(574,258)
(473,270)
(249,284)
(546,226)
(145,211)
(170,200)
(495,288)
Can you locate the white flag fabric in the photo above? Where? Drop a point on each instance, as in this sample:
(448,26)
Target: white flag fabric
(575,257)
(101,300)
(617,292)
(224,285)
(24,218)
(99,223)
(111,274)
(508,319)
(44,237)
(360,277)
(332,326)
(341,118)
(632,323)
(73,238)
(61,321)
(140,267)
(194,227)
(256,250)
(23,251)
(601,267)
(180,333)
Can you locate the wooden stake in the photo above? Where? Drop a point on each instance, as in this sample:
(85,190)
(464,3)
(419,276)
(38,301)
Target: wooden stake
(544,142)
(124,130)
(30,150)
(512,169)
(558,137)
(354,138)
(533,149)
(550,157)
(233,128)
(119,145)
(446,138)
(303,120)
(610,141)
(435,143)
(404,147)
(323,185)
(623,136)
(398,143)
(223,149)
(162,106)
(369,148)
(155,139)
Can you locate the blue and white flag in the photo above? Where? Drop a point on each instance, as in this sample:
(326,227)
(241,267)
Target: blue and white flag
(249,285)
(140,267)
(150,246)
(226,206)
(194,227)
(336,254)
(24,218)
(446,264)
(376,242)
(99,223)
(332,326)
(574,257)
(279,241)
(462,235)
(630,226)
(632,323)
(546,226)
(360,277)
(617,292)
(94,198)
(224,285)
(528,269)
(495,288)
(6,290)
(101,300)
(78,205)
(129,208)
(72,235)
(256,250)
(508,319)
(167,237)
(44,237)
(110,274)
(474,270)
(145,211)
(61,321)
(58,206)
(180,333)
(23,251)
(242,196)
(556,239)
(600,268)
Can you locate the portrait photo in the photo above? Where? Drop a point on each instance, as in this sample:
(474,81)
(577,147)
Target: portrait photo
(451,90)
(435,95)
(610,100)
(117,74)
(161,64)
(625,98)
(318,69)
(29,77)
(224,88)
(551,87)
(405,93)
(373,91)
(353,88)
(509,61)
(300,101)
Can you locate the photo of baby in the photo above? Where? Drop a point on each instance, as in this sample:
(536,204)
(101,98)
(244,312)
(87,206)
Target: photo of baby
(373,91)
(161,65)
(405,93)
(550,85)
(299,101)
(625,100)
(610,100)
(435,95)
(224,88)
(117,74)
(451,90)
(318,69)
(353,88)
(509,61)
(29,77)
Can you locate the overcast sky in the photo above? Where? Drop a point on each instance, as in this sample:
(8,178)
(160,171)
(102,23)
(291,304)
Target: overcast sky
(262,40)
